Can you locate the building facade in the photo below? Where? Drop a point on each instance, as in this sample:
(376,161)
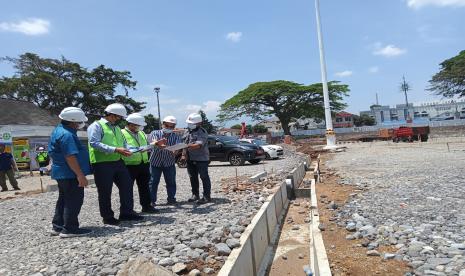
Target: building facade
(427,111)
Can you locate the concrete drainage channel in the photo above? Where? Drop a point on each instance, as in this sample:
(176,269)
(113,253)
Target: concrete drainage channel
(259,240)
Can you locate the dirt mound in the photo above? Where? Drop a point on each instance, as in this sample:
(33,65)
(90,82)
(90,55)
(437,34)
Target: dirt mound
(308,149)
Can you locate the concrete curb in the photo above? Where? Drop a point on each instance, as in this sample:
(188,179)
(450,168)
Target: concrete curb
(253,256)
(256,178)
(318,257)
(256,252)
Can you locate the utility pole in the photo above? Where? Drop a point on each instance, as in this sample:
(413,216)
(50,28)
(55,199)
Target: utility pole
(405,87)
(377,102)
(330,135)
(157,90)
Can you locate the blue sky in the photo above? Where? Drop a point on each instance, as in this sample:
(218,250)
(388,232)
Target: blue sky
(202,52)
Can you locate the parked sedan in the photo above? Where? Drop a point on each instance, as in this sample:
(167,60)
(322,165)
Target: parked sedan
(230,149)
(271,151)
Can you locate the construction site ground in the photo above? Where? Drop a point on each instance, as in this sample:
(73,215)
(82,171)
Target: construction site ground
(348,257)
(293,248)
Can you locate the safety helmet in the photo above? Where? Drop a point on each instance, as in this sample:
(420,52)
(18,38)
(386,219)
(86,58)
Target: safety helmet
(137,119)
(170,119)
(73,114)
(117,109)
(41,148)
(194,118)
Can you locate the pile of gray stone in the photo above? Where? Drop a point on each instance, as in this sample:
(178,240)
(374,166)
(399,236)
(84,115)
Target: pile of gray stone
(186,238)
(407,196)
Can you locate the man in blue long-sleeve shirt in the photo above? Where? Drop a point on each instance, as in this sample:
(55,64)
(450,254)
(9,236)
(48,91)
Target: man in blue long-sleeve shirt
(106,148)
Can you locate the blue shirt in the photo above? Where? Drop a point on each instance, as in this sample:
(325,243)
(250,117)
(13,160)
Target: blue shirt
(95,133)
(6,160)
(163,157)
(64,142)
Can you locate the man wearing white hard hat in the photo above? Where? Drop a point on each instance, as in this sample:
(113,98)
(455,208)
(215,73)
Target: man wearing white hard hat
(107,147)
(138,162)
(197,156)
(162,161)
(70,167)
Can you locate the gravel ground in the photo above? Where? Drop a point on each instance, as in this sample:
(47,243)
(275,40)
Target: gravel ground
(178,235)
(412,196)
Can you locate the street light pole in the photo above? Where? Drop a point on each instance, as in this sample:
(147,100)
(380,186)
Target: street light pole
(157,90)
(330,135)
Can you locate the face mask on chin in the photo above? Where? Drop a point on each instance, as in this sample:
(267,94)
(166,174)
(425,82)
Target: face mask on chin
(81,125)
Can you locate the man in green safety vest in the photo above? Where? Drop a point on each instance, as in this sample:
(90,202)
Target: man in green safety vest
(138,162)
(42,159)
(107,147)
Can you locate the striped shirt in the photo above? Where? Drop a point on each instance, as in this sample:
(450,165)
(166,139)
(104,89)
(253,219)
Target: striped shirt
(163,157)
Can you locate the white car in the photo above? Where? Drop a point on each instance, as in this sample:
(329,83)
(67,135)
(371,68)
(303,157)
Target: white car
(271,151)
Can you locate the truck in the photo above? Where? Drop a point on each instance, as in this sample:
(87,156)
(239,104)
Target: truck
(410,134)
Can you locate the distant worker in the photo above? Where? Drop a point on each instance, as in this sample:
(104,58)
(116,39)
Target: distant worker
(107,146)
(70,167)
(197,156)
(7,169)
(163,160)
(42,159)
(138,162)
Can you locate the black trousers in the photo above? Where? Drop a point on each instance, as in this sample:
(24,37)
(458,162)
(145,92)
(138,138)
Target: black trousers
(194,169)
(107,173)
(141,175)
(68,206)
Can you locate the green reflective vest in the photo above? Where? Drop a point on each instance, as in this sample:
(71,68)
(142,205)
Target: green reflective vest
(137,157)
(110,137)
(42,157)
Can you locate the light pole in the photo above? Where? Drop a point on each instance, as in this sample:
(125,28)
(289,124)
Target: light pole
(157,90)
(330,135)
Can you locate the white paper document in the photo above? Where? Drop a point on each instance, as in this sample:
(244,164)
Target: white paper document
(176,147)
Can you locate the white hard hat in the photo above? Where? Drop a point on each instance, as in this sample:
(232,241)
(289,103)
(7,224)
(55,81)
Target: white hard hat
(170,119)
(194,118)
(117,109)
(137,119)
(73,114)
(41,148)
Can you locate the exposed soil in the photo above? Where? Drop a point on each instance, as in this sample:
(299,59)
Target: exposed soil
(292,252)
(348,257)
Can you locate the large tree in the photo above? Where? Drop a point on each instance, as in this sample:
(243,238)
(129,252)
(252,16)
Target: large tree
(153,123)
(54,84)
(283,99)
(450,81)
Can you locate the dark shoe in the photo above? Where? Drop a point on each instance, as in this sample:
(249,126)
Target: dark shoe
(172,202)
(76,233)
(150,210)
(16,188)
(194,198)
(4,190)
(111,221)
(131,217)
(204,200)
(55,231)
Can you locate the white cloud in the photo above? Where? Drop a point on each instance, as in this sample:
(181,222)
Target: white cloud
(344,74)
(30,26)
(211,106)
(191,108)
(416,4)
(234,36)
(374,69)
(388,50)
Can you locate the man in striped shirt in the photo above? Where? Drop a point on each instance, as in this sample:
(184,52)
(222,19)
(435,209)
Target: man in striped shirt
(163,160)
